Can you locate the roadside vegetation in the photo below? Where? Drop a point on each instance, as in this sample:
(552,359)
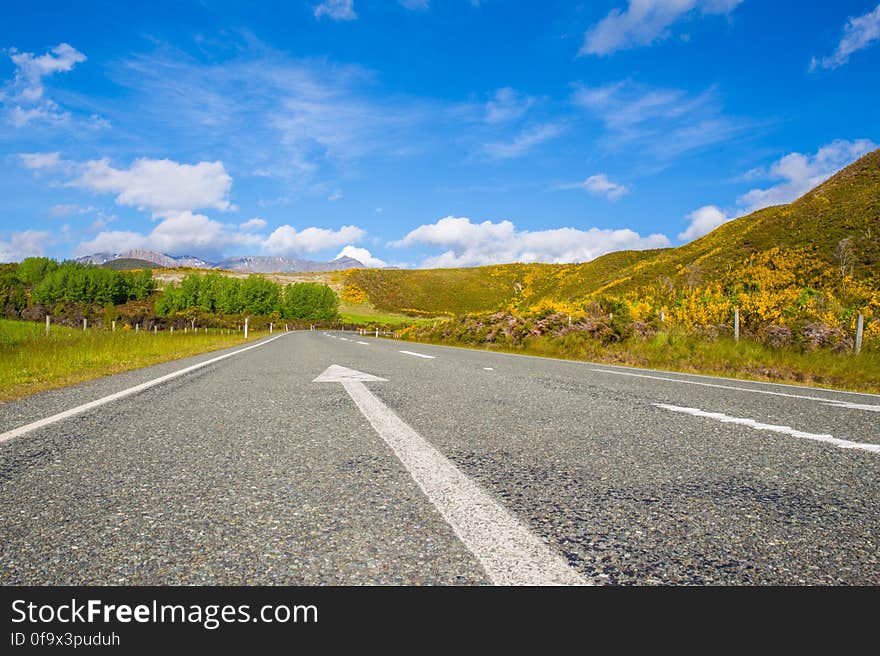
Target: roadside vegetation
(32,362)
(814,361)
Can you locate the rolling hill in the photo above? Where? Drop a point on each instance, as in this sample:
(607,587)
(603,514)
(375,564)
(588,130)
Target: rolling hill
(831,231)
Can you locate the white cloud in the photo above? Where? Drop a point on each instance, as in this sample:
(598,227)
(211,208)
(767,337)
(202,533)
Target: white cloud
(798,173)
(25,94)
(183,233)
(336,10)
(336,195)
(25,243)
(858,33)
(415,4)
(161,186)
(644,22)
(362,255)
(667,122)
(599,184)
(524,141)
(287,240)
(474,244)
(41,161)
(253,224)
(703,221)
(507,105)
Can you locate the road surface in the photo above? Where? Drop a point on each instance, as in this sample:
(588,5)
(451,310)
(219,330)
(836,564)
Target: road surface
(338,459)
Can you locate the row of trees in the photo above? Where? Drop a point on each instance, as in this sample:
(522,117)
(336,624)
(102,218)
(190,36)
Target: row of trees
(42,281)
(218,294)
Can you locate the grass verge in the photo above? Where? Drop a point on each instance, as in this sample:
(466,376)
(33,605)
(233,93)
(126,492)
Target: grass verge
(30,362)
(721,357)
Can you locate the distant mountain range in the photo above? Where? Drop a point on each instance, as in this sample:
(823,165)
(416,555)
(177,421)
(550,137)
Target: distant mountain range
(246,263)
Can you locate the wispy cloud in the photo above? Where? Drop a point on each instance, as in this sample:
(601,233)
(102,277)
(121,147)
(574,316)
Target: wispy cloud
(645,22)
(858,33)
(666,122)
(527,139)
(506,105)
(338,10)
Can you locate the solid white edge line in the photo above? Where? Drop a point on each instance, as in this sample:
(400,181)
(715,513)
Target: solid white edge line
(508,551)
(27,428)
(785,430)
(831,402)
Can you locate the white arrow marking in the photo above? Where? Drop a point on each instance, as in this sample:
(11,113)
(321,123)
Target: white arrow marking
(787,430)
(509,553)
(21,430)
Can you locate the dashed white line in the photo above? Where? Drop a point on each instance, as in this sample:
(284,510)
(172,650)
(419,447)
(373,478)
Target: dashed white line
(786,430)
(364,343)
(27,428)
(344,339)
(488,369)
(831,402)
(508,551)
(418,355)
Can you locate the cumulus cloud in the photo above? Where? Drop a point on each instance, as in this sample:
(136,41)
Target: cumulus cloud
(161,186)
(798,173)
(24,243)
(287,240)
(703,221)
(337,10)
(253,224)
(474,244)
(858,33)
(25,97)
(183,233)
(527,139)
(644,22)
(362,255)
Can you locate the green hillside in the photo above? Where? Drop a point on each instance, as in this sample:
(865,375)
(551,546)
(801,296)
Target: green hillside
(831,231)
(129,263)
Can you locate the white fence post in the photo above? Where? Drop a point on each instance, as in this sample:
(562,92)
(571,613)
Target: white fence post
(246,327)
(270,327)
(736,324)
(377,333)
(155,329)
(860,327)
(137,327)
(85,323)
(113,325)
(48,321)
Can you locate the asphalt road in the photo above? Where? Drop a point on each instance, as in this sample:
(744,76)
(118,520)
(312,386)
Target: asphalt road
(246,471)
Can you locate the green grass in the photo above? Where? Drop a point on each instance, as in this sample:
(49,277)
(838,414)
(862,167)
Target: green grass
(722,357)
(31,362)
(365,314)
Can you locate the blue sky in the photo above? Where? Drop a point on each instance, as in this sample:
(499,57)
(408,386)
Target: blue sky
(420,133)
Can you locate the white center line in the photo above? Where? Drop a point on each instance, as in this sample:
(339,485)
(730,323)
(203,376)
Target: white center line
(27,428)
(488,369)
(508,551)
(831,402)
(786,430)
(364,343)
(344,339)
(418,355)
